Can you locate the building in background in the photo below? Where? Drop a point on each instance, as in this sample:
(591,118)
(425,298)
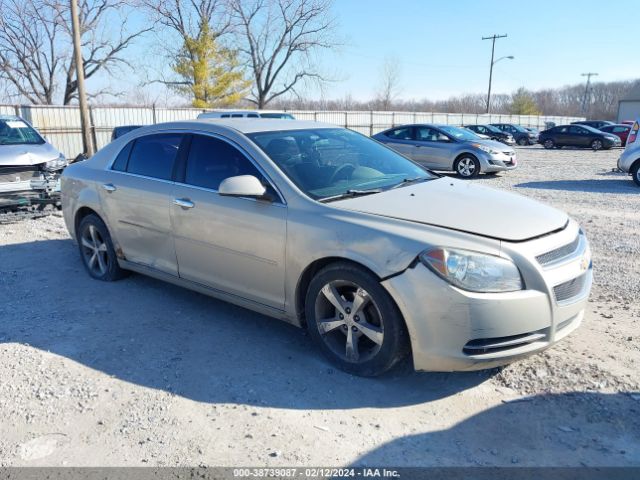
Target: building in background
(629,105)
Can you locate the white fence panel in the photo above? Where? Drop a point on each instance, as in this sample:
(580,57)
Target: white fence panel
(61,124)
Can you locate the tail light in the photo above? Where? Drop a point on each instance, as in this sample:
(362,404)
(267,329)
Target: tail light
(633,135)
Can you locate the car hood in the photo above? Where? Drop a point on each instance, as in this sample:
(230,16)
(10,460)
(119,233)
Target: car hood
(18,155)
(463,206)
(489,143)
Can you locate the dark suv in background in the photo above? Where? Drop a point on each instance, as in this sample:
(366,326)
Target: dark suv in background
(493,133)
(521,135)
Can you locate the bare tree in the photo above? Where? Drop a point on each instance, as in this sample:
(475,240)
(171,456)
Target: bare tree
(389,87)
(35,45)
(101,49)
(29,49)
(278,39)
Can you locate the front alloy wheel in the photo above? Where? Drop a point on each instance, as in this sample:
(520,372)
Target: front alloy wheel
(354,320)
(596,144)
(548,144)
(349,321)
(468,167)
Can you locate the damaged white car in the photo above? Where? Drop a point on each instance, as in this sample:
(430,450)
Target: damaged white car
(30,167)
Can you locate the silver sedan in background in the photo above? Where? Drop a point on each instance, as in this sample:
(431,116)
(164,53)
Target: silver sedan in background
(322,227)
(448,148)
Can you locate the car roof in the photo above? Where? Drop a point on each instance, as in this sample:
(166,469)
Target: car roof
(242,125)
(9,117)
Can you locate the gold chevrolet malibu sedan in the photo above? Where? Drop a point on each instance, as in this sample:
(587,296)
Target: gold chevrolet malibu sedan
(322,227)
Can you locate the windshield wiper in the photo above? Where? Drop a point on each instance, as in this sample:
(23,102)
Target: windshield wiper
(409,181)
(350,194)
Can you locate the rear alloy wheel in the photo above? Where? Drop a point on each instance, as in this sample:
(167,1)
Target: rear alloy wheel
(549,144)
(354,320)
(467,166)
(96,250)
(635,173)
(596,144)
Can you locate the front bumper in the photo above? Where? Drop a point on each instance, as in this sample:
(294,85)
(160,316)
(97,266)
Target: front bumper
(42,185)
(451,329)
(497,163)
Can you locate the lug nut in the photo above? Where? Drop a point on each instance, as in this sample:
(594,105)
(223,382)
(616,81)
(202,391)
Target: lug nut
(344,327)
(356,318)
(348,310)
(354,329)
(341,316)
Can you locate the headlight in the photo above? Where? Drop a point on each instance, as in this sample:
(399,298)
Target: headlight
(484,148)
(473,271)
(57,164)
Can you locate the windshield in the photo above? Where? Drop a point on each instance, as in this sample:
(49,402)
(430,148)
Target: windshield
(460,133)
(17,132)
(493,129)
(335,161)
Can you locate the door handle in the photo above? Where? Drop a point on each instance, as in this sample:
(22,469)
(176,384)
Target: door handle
(184,203)
(109,187)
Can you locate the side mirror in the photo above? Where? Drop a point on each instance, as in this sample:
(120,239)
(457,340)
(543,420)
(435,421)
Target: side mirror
(242,186)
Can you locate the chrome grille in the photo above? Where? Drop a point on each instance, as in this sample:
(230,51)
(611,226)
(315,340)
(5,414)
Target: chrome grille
(558,253)
(568,290)
(17,174)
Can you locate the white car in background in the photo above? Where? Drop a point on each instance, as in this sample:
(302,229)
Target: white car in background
(246,114)
(629,161)
(30,166)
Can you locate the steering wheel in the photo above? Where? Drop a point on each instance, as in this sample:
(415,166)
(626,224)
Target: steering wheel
(340,170)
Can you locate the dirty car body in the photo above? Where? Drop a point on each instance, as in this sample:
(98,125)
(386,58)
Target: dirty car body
(30,167)
(322,224)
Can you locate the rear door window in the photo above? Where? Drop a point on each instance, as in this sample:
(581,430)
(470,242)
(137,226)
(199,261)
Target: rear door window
(403,133)
(154,155)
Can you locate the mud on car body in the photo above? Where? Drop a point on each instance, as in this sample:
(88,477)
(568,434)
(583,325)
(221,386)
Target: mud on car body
(30,167)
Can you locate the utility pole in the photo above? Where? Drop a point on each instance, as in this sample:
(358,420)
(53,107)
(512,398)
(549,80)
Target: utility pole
(493,39)
(82,94)
(586,90)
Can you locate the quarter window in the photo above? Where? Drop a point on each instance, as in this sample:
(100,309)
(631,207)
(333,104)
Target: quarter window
(121,160)
(212,160)
(154,155)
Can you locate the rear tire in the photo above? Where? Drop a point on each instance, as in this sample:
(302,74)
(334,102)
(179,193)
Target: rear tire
(467,166)
(635,172)
(96,250)
(354,320)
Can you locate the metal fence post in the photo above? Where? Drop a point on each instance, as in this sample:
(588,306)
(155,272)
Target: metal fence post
(92,126)
(370,122)
(393,119)
(346,122)
(153,113)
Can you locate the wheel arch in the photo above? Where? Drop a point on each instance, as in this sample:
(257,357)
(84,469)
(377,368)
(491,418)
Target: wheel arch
(310,271)
(80,214)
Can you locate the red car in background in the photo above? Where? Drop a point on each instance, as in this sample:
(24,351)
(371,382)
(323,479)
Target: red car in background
(621,130)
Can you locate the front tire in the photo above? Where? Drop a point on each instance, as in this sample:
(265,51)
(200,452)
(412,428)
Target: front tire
(596,145)
(523,142)
(548,144)
(354,320)
(635,172)
(467,166)
(96,250)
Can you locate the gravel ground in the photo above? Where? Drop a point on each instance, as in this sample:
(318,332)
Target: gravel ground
(139,372)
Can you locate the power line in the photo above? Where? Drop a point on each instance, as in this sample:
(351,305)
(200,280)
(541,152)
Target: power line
(586,89)
(493,39)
